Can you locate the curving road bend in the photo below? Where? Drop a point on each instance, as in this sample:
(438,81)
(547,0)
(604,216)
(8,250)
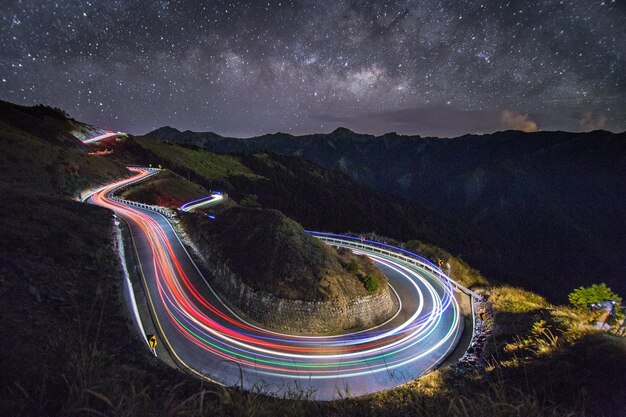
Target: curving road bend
(209,340)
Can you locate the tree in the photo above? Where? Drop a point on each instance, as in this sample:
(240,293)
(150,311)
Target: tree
(582,297)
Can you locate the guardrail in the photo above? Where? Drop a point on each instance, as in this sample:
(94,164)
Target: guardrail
(158,209)
(398,253)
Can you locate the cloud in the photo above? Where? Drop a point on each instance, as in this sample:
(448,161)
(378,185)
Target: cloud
(517,121)
(588,122)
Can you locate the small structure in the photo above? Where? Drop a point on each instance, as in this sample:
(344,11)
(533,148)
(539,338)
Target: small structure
(605,310)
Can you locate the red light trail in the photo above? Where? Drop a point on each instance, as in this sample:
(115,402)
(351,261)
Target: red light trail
(191,317)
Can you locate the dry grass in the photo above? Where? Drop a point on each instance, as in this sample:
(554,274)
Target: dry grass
(515,300)
(459,269)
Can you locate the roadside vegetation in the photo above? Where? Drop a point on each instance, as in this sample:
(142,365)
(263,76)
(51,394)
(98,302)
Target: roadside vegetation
(369,278)
(459,269)
(370,283)
(583,296)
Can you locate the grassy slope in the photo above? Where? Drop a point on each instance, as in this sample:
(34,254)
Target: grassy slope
(165,189)
(64,325)
(530,372)
(196,161)
(39,152)
(50,168)
(459,269)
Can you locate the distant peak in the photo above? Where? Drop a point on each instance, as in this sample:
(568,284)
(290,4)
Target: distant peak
(168,128)
(164,129)
(342,131)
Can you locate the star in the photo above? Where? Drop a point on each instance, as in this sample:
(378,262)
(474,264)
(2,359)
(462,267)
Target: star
(294,66)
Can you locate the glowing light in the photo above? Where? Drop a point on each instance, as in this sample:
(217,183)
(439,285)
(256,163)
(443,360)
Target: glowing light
(100,138)
(204,201)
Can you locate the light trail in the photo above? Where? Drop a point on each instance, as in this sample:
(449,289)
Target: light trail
(210,200)
(198,328)
(100,137)
(99,153)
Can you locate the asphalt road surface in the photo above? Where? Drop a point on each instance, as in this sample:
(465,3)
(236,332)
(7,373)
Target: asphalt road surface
(210,341)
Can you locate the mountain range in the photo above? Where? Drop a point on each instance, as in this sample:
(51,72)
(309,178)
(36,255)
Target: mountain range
(549,205)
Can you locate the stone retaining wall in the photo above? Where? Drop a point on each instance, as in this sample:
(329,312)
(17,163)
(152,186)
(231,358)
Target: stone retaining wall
(294,316)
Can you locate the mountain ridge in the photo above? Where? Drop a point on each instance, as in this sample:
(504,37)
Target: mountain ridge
(548,196)
(344,130)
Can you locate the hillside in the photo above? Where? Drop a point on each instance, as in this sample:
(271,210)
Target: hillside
(38,151)
(317,198)
(272,253)
(548,203)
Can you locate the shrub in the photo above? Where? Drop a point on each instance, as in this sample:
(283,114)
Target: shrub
(371,283)
(583,296)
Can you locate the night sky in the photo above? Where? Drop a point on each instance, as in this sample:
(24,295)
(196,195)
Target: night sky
(248,68)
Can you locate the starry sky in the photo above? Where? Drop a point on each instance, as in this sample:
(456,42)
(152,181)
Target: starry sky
(243,68)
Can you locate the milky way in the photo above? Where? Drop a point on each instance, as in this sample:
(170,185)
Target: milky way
(246,68)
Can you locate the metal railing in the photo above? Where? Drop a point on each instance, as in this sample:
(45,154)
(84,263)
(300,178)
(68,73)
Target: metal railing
(397,253)
(158,209)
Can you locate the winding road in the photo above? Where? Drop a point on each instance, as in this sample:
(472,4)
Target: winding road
(206,338)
